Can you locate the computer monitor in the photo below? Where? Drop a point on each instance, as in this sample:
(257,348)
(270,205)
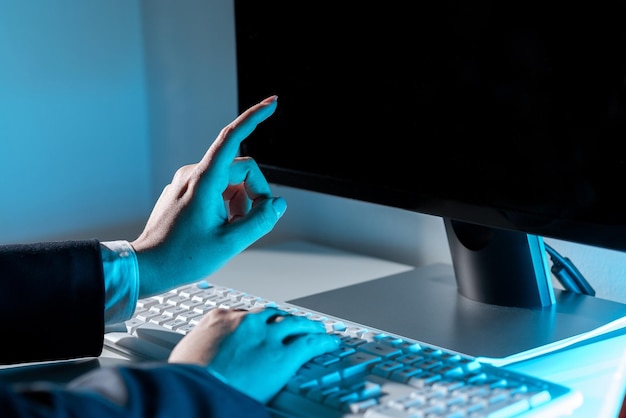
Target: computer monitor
(506,119)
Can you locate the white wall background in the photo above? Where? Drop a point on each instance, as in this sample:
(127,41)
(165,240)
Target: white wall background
(100,102)
(73,140)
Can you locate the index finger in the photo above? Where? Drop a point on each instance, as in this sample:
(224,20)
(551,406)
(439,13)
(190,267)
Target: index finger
(224,149)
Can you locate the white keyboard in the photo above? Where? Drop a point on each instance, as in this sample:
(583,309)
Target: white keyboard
(374,374)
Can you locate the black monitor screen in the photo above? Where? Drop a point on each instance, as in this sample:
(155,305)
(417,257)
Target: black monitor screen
(505,114)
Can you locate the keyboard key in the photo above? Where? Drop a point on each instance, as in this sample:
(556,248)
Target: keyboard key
(159,307)
(189,291)
(378,349)
(174,311)
(357,363)
(146,303)
(162,298)
(176,300)
(204,284)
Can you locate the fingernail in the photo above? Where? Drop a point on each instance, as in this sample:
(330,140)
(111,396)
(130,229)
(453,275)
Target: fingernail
(280,205)
(270,99)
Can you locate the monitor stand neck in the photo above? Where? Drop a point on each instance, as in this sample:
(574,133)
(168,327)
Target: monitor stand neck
(499,267)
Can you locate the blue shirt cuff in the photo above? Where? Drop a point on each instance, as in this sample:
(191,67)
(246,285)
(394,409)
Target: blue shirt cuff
(121,280)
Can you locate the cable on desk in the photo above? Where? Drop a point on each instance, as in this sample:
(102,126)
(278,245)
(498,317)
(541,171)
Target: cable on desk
(567,274)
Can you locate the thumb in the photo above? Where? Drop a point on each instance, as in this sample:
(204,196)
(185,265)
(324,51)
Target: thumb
(259,221)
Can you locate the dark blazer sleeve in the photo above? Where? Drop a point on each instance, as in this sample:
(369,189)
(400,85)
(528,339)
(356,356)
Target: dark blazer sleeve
(51,301)
(52,305)
(143,390)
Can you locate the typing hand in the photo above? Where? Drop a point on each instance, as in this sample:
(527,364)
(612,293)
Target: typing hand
(255,352)
(209,213)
